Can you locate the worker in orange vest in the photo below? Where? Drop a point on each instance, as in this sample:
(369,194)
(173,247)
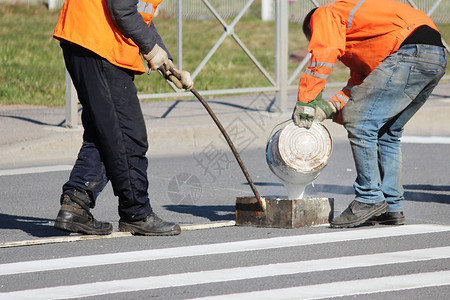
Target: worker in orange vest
(396,58)
(102,43)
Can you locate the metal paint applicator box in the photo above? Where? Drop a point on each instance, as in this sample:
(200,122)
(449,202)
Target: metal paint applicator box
(282,213)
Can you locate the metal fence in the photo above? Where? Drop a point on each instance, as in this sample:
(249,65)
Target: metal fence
(439,10)
(196,10)
(233,10)
(283,82)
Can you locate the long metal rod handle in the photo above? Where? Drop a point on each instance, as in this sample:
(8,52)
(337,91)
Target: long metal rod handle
(230,143)
(227,138)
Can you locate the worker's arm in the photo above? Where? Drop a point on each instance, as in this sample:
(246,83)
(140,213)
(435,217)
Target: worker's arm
(125,16)
(328,36)
(129,21)
(327,43)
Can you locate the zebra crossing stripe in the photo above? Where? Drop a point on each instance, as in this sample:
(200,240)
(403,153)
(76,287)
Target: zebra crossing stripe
(346,288)
(426,139)
(35,170)
(219,248)
(234,274)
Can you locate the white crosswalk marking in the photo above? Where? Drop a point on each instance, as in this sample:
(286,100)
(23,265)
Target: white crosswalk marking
(35,170)
(195,278)
(426,139)
(220,248)
(260,271)
(346,288)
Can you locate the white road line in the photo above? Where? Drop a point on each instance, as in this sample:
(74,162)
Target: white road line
(35,170)
(426,139)
(346,288)
(75,238)
(231,274)
(63,239)
(219,248)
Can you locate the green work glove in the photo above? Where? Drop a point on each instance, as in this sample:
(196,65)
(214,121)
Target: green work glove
(326,110)
(305,113)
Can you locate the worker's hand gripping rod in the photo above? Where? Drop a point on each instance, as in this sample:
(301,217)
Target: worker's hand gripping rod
(227,138)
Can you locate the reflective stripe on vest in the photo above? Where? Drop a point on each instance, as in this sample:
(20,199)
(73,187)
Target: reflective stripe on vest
(146,8)
(331,3)
(321,64)
(352,13)
(317,75)
(342,98)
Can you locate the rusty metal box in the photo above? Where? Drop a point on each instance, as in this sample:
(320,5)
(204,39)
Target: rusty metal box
(281,213)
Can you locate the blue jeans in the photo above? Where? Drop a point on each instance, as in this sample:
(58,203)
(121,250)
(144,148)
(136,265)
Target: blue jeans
(377,112)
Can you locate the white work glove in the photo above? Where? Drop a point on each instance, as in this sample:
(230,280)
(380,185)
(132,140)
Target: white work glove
(185,81)
(157,58)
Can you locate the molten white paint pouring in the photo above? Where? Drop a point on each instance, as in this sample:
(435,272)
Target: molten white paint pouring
(295,190)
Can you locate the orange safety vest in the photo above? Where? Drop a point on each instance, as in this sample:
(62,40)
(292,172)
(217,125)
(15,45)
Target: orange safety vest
(87,23)
(361,34)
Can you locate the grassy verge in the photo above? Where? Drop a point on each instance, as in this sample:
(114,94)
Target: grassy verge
(32,67)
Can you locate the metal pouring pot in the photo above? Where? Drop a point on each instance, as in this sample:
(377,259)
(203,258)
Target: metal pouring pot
(298,155)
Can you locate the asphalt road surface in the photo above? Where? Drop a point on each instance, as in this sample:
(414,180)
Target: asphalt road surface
(229,262)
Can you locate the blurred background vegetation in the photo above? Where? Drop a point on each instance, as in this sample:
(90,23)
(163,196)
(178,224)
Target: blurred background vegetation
(32,66)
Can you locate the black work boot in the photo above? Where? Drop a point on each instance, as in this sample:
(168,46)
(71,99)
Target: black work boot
(357,213)
(74,216)
(388,218)
(151,225)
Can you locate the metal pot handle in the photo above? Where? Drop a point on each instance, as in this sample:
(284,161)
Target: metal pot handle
(276,128)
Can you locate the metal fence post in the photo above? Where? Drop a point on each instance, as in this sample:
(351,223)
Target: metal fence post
(267,10)
(179,35)
(71,104)
(52,4)
(281,54)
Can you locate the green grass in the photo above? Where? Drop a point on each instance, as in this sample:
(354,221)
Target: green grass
(32,66)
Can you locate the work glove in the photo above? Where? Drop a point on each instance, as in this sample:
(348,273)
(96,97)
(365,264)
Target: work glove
(157,58)
(305,113)
(183,82)
(322,111)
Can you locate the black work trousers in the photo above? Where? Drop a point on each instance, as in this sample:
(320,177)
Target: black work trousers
(115,137)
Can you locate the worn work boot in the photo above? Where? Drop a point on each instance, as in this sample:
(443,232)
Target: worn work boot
(74,216)
(151,225)
(357,213)
(388,218)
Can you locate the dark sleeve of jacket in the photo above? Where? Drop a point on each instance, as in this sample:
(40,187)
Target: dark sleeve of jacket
(129,21)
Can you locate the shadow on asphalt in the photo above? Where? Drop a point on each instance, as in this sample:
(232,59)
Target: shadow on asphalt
(32,120)
(35,121)
(425,193)
(413,192)
(268,108)
(211,212)
(37,227)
